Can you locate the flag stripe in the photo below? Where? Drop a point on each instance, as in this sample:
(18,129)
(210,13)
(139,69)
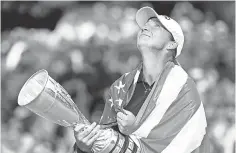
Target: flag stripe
(172,86)
(193,132)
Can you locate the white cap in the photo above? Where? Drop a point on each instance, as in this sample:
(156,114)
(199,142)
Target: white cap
(171,25)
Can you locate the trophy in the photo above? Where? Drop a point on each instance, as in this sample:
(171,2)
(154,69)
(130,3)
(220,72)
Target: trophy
(44,96)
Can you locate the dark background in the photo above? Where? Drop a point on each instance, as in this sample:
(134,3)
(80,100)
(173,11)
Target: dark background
(19,13)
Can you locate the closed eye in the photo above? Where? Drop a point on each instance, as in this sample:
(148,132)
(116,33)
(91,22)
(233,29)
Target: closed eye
(157,25)
(154,23)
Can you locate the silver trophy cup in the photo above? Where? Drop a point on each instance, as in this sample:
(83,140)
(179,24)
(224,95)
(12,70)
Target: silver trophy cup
(47,98)
(44,96)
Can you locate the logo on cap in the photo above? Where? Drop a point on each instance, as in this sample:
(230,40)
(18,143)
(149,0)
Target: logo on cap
(167,18)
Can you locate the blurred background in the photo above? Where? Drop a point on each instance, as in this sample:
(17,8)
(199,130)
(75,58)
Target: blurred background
(85,46)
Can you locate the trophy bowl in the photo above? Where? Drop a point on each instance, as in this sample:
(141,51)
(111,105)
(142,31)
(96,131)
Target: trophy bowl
(44,96)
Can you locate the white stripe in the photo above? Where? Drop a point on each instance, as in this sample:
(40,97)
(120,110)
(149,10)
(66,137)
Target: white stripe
(171,88)
(135,139)
(136,76)
(191,135)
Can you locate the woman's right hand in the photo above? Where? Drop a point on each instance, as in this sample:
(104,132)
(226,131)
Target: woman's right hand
(85,139)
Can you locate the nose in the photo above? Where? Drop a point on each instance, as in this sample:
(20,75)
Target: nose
(145,28)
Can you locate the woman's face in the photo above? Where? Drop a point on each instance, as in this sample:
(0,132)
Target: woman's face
(153,35)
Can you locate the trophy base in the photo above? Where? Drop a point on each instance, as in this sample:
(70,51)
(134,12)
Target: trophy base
(114,142)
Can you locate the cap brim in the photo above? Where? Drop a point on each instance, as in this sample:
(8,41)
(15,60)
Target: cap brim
(144,14)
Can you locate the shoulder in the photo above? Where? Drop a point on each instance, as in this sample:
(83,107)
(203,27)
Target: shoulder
(189,94)
(125,77)
(187,102)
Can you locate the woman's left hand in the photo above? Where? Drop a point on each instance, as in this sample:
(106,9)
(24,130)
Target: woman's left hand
(125,122)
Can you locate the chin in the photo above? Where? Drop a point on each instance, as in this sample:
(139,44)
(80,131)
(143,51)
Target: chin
(142,44)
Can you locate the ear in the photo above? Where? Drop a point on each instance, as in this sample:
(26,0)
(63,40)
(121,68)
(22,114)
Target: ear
(171,45)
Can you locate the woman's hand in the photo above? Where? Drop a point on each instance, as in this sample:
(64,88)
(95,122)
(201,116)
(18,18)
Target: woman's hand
(125,122)
(85,135)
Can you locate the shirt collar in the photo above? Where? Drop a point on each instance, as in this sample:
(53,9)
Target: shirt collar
(141,77)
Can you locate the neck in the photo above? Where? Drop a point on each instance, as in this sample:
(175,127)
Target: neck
(153,65)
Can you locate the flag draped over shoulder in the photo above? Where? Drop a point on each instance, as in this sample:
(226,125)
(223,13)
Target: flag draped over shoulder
(171,119)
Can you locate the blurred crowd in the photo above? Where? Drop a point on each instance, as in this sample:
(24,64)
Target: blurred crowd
(90,47)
